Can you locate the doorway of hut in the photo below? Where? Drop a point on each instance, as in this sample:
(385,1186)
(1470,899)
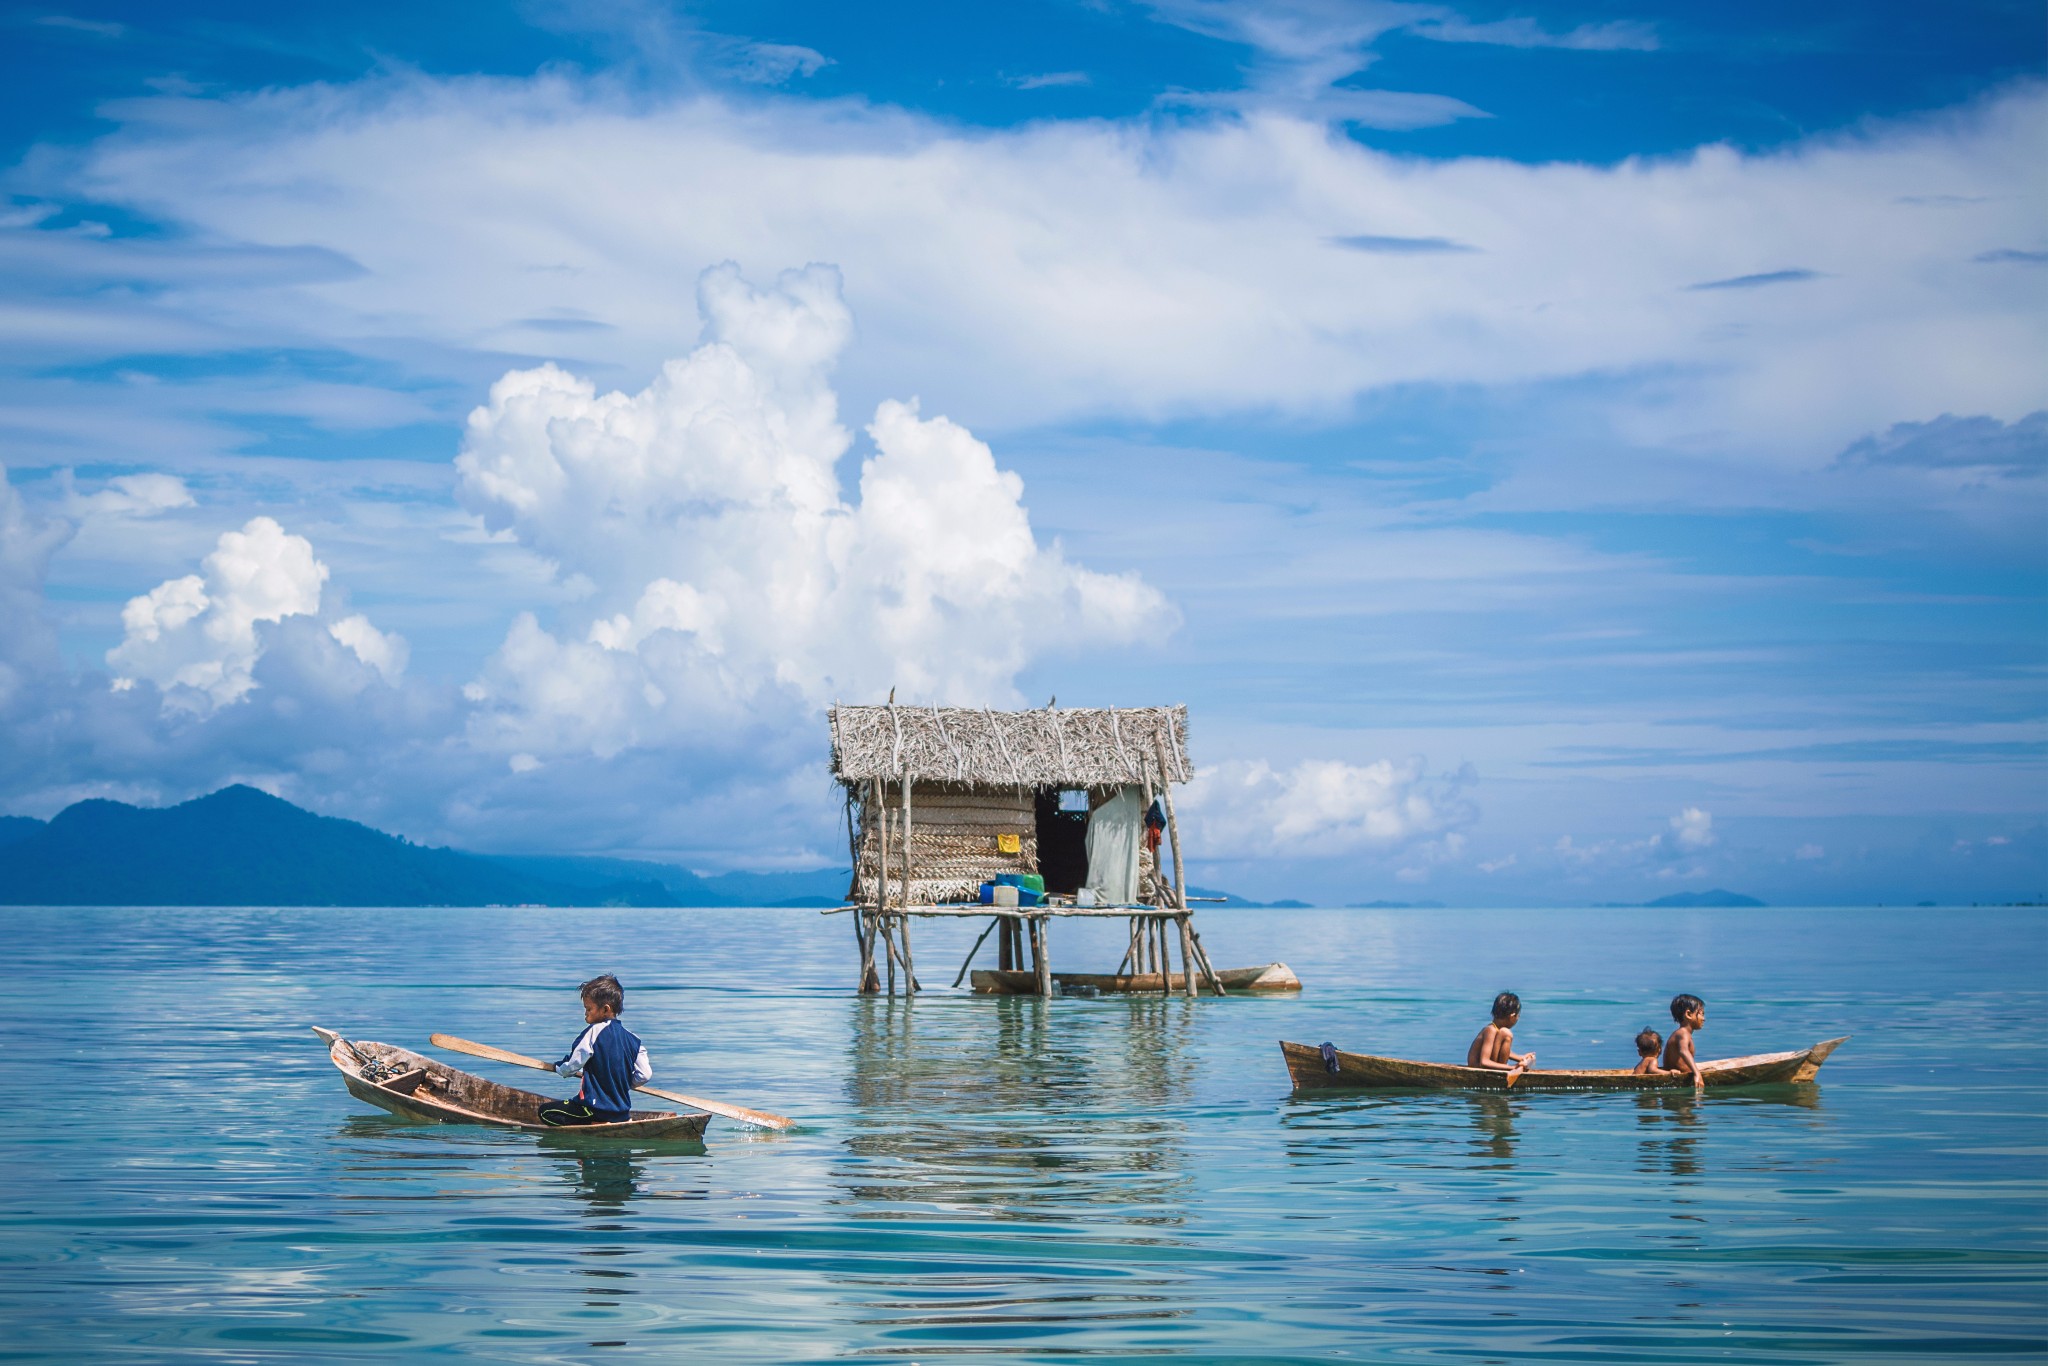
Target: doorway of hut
(1062,838)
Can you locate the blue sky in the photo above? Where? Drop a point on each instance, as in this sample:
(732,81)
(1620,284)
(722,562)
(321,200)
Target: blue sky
(1559,452)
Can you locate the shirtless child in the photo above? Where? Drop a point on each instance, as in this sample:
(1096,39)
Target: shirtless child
(1691,1013)
(1491,1049)
(1647,1044)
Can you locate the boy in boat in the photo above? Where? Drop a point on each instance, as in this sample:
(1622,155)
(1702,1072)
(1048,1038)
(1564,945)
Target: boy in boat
(1491,1049)
(1691,1013)
(609,1057)
(1647,1044)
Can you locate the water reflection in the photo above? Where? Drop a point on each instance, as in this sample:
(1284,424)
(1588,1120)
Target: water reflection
(1039,1117)
(1048,1133)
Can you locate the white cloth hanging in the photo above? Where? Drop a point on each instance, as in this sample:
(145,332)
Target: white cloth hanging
(1114,829)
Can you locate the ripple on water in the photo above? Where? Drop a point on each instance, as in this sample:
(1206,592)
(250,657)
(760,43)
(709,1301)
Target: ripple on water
(1009,1179)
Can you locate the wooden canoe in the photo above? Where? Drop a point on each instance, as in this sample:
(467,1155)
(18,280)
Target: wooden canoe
(1358,1070)
(1270,977)
(406,1083)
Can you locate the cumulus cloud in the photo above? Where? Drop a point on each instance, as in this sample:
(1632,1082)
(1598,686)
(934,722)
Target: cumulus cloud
(197,638)
(729,577)
(1324,807)
(1693,829)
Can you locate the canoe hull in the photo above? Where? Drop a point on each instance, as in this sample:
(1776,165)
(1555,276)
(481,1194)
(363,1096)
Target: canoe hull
(1268,977)
(443,1094)
(1365,1071)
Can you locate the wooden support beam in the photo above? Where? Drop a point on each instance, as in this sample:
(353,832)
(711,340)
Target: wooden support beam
(969,960)
(1040,959)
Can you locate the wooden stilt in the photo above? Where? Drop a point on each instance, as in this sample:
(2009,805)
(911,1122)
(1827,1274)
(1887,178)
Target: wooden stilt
(1003,960)
(1042,958)
(864,935)
(910,986)
(888,952)
(1187,956)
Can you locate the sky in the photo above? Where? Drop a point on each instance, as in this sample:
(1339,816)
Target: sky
(1560,453)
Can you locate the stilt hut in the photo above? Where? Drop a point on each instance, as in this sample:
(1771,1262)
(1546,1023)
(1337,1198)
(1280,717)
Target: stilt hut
(1071,807)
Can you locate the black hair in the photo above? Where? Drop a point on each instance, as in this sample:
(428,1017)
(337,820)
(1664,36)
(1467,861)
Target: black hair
(604,990)
(1506,1004)
(1648,1042)
(1684,1004)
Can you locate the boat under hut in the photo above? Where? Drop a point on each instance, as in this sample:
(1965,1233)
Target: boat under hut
(1022,817)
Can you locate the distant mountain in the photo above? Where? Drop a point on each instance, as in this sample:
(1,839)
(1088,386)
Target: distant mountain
(820,887)
(1245,903)
(1697,900)
(241,847)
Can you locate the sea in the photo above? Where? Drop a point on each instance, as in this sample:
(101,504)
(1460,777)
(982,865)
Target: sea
(182,1175)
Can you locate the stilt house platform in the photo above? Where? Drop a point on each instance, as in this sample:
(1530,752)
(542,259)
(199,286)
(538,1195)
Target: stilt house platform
(940,800)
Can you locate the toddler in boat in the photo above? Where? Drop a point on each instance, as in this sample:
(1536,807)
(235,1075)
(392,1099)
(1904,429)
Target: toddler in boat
(1647,1044)
(1492,1048)
(1691,1013)
(609,1057)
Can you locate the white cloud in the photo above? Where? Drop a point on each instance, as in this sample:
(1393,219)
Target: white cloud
(728,576)
(1322,807)
(1614,36)
(1050,79)
(136,495)
(1808,852)
(196,637)
(384,651)
(1694,828)
(1057,269)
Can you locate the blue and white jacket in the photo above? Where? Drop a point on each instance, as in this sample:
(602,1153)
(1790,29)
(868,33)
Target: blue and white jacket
(612,1061)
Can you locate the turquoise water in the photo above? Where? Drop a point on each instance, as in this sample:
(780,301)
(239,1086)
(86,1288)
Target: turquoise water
(182,1173)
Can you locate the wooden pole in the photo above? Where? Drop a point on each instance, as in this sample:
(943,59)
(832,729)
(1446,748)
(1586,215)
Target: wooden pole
(910,986)
(909,872)
(882,879)
(903,927)
(1043,957)
(1187,956)
(863,935)
(1180,878)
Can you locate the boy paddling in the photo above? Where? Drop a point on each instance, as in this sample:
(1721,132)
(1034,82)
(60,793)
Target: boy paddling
(1492,1049)
(609,1057)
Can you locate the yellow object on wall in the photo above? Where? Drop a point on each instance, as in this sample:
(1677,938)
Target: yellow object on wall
(1009,844)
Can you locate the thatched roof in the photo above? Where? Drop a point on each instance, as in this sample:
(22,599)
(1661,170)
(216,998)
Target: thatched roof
(1050,747)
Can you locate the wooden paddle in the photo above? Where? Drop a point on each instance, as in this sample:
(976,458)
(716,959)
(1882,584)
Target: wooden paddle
(741,1113)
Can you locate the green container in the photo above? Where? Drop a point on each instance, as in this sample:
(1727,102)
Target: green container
(1032,882)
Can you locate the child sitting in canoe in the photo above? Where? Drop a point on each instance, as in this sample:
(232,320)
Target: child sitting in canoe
(1647,1044)
(609,1057)
(1492,1049)
(1691,1013)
